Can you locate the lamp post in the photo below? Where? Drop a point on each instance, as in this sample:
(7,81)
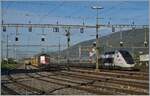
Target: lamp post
(97,41)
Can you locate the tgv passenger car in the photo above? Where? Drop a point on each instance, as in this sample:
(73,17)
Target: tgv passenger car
(117,59)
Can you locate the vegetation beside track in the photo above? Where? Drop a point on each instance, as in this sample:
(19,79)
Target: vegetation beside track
(9,64)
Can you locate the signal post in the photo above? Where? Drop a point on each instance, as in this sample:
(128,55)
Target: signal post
(97,40)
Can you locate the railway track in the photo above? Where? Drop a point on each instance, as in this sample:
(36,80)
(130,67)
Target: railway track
(105,86)
(113,74)
(82,80)
(71,84)
(67,84)
(129,72)
(14,81)
(9,90)
(89,84)
(108,79)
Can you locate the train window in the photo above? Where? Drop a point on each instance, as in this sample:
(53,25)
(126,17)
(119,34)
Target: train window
(127,57)
(108,60)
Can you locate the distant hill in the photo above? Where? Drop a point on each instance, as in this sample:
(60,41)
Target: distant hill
(133,42)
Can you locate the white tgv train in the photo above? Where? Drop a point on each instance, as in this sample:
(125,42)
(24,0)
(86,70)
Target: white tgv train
(117,59)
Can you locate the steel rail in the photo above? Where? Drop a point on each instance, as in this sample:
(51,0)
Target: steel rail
(9,90)
(111,80)
(117,75)
(90,84)
(21,85)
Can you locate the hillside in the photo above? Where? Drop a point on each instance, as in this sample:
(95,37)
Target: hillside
(133,39)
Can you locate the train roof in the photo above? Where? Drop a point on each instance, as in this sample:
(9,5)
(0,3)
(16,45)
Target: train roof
(43,54)
(113,52)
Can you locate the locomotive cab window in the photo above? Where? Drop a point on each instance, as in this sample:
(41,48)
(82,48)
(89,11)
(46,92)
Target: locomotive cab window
(127,57)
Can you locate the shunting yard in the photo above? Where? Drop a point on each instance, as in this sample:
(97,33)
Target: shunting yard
(76,81)
(75,48)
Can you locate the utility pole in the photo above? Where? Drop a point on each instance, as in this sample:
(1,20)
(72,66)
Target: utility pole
(59,50)
(68,44)
(80,53)
(7,49)
(145,38)
(2,22)
(97,41)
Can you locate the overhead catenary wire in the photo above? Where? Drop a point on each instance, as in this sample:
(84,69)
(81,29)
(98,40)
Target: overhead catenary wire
(109,10)
(51,11)
(73,17)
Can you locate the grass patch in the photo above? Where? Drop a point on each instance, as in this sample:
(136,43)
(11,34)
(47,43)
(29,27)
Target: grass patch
(8,66)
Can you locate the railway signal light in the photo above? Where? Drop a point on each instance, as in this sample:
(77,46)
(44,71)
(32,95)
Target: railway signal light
(145,43)
(81,30)
(108,22)
(43,39)
(4,28)
(30,29)
(67,32)
(94,44)
(16,39)
(68,39)
(113,29)
(121,44)
(133,28)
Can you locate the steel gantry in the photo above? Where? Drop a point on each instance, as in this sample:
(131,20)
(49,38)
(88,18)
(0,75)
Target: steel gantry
(68,28)
(73,26)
